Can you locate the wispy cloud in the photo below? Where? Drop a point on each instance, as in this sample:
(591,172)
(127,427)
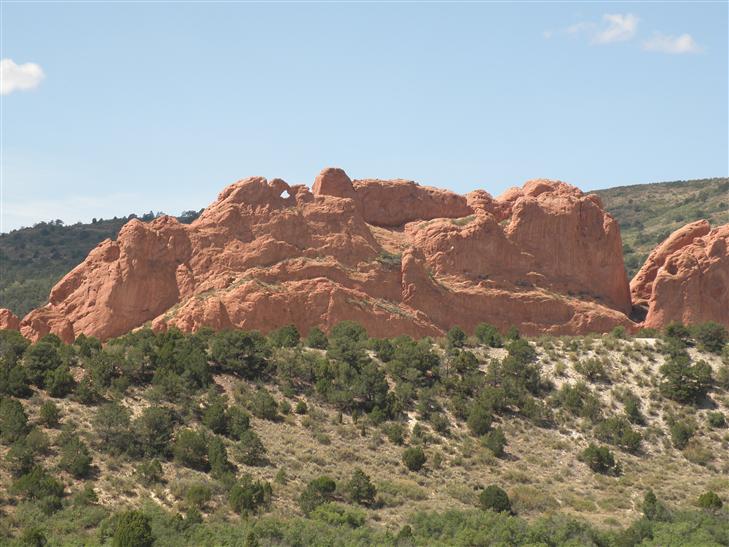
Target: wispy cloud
(618,28)
(675,45)
(14,77)
(614,27)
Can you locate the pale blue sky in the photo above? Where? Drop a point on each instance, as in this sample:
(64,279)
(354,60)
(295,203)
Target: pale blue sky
(159,106)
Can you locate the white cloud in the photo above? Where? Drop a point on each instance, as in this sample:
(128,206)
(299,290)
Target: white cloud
(15,77)
(675,45)
(582,26)
(615,27)
(620,28)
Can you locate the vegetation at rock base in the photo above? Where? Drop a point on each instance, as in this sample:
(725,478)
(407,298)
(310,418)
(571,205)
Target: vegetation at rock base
(475,438)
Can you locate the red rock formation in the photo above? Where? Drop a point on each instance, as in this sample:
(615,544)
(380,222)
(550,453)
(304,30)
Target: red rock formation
(8,320)
(397,257)
(686,278)
(641,286)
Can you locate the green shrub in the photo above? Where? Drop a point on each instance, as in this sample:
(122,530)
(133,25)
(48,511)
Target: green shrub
(632,409)
(684,382)
(239,421)
(455,337)
(153,431)
(301,407)
(709,500)
(488,335)
(618,432)
(493,498)
(383,348)
(360,489)
(599,459)
(239,352)
(113,428)
(716,419)
(495,441)
(316,493)
(39,359)
(218,457)
(578,400)
(711,337)
(249,496)
(149,472)
(593,370)
(251,449)
(133,530)
(317,339)
(479,418)
(414,458)
(33,537)
(335,514)
(12,346)
(677,331)
(722,375)
(13,420)
(14,379)
(75,458)
(395,432)
(215,416)
(263,405)
(38,485)
(198,495)
(285,337)
(681,433)
(86,392)
(50,415)
(20,458)
(191,449)
(654,509)
(59,382)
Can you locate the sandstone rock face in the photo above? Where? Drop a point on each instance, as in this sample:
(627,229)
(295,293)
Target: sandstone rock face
(686,278)
(8,320)
(395,256)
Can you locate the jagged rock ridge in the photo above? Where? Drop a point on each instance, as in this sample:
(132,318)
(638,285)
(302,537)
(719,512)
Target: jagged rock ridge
(393,255)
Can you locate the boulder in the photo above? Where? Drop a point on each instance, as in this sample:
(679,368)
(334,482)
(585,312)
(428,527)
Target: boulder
(8,320)
(686,278)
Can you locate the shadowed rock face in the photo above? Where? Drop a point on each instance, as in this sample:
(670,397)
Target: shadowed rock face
(395,256)
(686,278)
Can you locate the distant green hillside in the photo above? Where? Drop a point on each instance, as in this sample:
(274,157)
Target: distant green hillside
(33,259)
(648,213)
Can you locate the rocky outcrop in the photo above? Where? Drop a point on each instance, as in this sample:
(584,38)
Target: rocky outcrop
(397,257)
(641,287)
(8,320)
(686,278)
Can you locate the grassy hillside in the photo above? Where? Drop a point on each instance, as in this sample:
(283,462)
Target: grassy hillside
(32,260)
(648,213)
(237,439)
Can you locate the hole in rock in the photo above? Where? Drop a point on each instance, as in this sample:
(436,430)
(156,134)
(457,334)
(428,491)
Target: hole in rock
(285,194)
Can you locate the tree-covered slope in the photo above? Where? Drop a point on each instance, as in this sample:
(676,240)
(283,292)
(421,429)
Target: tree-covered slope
(648,213)
(233,438)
